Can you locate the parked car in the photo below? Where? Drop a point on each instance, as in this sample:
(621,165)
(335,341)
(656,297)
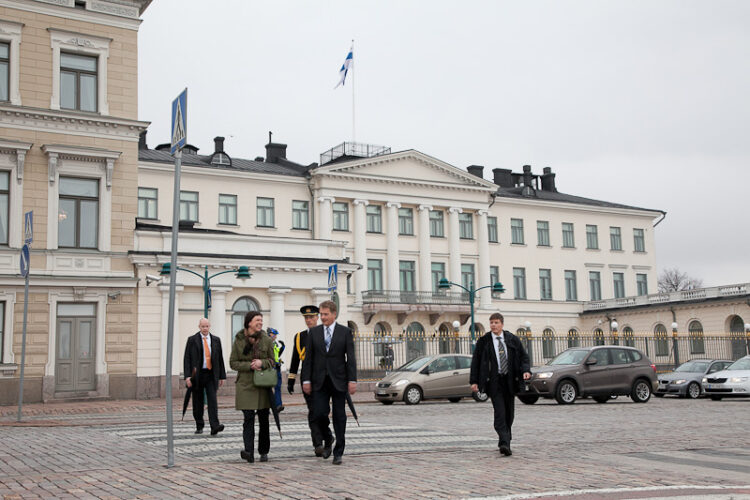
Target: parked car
(686,380)
(600,372)
(442,376)
(732,382)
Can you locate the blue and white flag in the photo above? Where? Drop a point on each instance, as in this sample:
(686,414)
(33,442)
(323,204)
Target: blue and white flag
(345,67)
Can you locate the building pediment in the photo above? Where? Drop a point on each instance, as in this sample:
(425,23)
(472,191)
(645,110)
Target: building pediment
(405,167)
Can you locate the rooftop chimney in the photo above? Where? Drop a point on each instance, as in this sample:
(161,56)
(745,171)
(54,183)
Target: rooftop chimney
(274,150)
(528,187)
(476,170)
(548,180)
(218,144)
(503,177)
(142,140)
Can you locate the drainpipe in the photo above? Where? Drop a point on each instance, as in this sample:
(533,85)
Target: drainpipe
(663,216)
(312,204)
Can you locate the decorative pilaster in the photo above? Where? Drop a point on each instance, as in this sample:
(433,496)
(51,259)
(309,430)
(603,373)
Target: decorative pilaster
(483,272)
(276,295)
(425,264)
(454,245)
(360,248)
(218,318)
(326,216)
(177,347)
(391,265)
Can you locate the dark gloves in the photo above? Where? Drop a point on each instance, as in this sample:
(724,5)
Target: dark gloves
(290,386)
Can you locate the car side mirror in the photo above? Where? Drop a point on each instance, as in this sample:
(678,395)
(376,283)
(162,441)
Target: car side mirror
(425,370)
(590,362)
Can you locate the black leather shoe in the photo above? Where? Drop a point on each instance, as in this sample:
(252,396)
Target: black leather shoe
(280,408)
(217,430)
(247,456)
(337,461)
(264,457)
(505,450)
(199,430)
(327,451)
(319,450)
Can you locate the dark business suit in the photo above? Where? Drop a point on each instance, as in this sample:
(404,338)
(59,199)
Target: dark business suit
(204,379)
(329,373)
(298,356)
(501,388)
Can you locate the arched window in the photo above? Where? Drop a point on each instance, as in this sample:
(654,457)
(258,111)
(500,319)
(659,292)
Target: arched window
(242,306)
(521,332)
(447,340)
(662,344)
(695,331)
(737,331)
(628,338)
(383,345)
(382,329)
(548,343)
(415,341)
(478,329)
(574,339)
(353,327)
(599,337)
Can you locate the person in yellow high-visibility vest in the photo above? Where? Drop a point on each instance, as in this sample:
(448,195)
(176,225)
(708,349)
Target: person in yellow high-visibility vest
(278,349)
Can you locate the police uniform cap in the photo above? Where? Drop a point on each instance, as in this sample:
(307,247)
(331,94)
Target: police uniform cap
(309,310)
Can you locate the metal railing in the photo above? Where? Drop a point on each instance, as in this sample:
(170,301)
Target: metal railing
(661,298)
(379,354)
(358,149)
(400,297)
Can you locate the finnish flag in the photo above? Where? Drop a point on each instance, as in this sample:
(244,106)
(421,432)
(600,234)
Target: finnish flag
(345,67)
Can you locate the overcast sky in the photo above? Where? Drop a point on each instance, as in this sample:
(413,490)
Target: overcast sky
(637,102)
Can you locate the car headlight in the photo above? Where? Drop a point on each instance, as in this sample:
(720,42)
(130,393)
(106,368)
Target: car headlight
(735,380)
(705,380)
(403,381)
(678,382)
(544,375)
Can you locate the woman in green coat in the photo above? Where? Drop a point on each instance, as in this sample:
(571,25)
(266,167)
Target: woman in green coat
(252,350)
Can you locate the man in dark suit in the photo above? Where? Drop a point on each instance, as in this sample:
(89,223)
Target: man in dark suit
(204,370)
(328,372)
(498,368)
(310,314)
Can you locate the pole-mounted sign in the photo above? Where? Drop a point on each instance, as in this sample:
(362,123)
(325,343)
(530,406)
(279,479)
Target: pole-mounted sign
(179,121)
(333,277)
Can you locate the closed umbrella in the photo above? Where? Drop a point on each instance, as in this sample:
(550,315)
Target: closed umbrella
(275,411)
(351,407)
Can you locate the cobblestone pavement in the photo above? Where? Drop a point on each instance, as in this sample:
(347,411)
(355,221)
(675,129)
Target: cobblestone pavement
(667,448)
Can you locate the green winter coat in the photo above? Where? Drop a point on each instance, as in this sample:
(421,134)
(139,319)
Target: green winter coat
(247,396)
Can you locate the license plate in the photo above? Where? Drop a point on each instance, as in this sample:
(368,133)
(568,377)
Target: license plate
(709,386)
(381,393)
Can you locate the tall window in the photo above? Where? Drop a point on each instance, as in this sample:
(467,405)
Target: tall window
(467,276)
(492,229)
(2,331)
(571,287)
(574,338)
(78,82)
(542,233)
(662,344)
(592,237)
(189,206)
(147,203)
(697,345)
(548,343)
(628,338)
(437,270)
(4,206)
(516,231)
(300,214)
(619,282)
(227,209)
(406,276)
(405,221)
(265,212)
(641,282)
(519,283)
(569,240)
(436,224)
(595,285)
(340,216)
(4,72)
(545,284)
(639,243)
(374,219)
(374,274)
(466,226)
(495,278)
(78,217)
(615,238)
(241,307)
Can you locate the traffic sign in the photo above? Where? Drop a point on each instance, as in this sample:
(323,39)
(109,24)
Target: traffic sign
(28,227)
(333,279)
(179,121)
(25,261)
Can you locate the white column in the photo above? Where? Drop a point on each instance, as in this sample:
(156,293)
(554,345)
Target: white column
(391,264)
(425,264)
(217,315)
(483,271)
(360,248)
(277,314)
(178,348)
(454,245)
(319,295)
(325,217)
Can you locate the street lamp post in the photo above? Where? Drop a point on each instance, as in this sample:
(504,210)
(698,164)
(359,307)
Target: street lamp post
(527,326)
(243,273)
(614,326)
(675,347)
(747,337)
(444,284)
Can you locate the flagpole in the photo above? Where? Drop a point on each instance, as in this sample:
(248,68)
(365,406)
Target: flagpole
(354,129)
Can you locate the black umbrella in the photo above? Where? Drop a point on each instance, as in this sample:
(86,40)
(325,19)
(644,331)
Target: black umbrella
(188,392)
(351,407)
(275,411)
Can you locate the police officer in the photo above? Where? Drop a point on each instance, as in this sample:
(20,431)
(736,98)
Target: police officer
(278,350)
(310,314)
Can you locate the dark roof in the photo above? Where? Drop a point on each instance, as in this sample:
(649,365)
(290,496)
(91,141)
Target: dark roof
(540,194)
(284,167)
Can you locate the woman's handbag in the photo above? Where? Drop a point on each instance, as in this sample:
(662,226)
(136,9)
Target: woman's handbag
(265,378)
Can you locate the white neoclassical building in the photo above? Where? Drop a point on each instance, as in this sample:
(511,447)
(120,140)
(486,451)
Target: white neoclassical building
(395,223)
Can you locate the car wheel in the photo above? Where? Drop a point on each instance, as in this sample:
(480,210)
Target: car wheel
(412,395)
(641,391)
(601,399)
(528,400)
(480,397)
(715,398)
(454,400)
(387,402)
(566,392)
(693,390)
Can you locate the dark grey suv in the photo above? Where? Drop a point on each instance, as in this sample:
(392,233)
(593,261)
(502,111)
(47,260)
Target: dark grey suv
(599,372)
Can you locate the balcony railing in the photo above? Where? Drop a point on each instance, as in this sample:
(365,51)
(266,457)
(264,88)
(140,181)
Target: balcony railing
(662,298)
(429,298)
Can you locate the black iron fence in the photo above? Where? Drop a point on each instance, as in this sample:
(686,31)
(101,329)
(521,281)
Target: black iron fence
(379,354)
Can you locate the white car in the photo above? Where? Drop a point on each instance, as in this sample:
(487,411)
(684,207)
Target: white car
(733,382)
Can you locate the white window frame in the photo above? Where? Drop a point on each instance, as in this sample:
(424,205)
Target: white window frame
(10,304)
(87,45)
(10,33)
(12,158)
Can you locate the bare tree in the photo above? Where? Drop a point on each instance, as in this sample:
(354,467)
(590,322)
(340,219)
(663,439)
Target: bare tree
(674,280)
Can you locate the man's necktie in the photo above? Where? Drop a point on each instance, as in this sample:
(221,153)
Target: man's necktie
(503,359)
(206,352)
(328,337)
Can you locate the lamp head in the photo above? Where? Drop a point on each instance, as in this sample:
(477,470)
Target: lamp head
(243,273)
(527,324)
(674,325)
(498,288)
(166,269)
(747,327)
(444,284)
(456,324)
(614,325)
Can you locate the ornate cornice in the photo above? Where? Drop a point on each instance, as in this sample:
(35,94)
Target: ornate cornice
(19,149)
